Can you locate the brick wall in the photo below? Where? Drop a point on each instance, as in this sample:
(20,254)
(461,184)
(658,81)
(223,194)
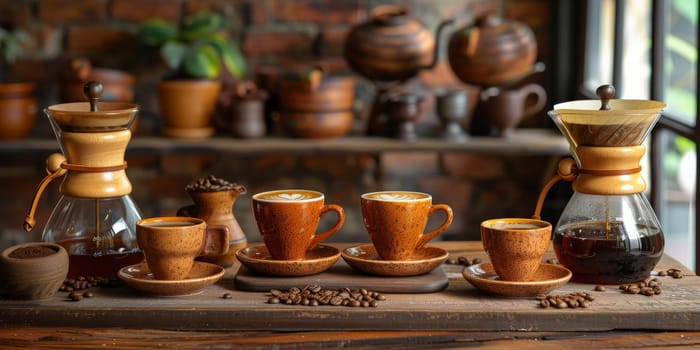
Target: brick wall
(270,33)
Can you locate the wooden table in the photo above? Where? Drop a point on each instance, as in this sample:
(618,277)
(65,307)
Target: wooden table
(460,315)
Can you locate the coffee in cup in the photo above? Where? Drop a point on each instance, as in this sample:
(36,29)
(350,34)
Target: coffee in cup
(516,246)
(288,220)
(396,221)
(171,243)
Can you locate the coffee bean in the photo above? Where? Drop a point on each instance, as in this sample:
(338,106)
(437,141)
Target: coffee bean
(212,183)
(313,295)
(572,300)
(476,261)
(88,294)
(74,296)
(451,261)
(227,296)
(462,260)
(599,288)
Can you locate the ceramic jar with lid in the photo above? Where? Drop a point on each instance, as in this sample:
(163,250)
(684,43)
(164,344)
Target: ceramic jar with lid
(492,52)
(315,104)
(391,45)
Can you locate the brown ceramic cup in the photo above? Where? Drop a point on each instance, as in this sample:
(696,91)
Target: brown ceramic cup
(396,221)
(171,243)
(516,246)
(288,219)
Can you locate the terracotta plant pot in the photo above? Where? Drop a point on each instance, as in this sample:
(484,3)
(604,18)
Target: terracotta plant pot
(187,107)
(18,110)
(33,270)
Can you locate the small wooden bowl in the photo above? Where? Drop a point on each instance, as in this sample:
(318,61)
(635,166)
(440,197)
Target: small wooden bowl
(317,125)
(33,270)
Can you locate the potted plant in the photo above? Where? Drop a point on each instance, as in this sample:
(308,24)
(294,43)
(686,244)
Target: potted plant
(18,105)
(196,51)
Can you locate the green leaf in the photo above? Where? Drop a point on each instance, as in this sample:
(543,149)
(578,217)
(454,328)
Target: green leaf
(202,61)
(201,24)
(173,53)
(230,55)
(156,32)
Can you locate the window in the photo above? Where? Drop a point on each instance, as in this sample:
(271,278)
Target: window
(648,50)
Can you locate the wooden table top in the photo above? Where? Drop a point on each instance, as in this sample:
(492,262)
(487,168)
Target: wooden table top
(460,315)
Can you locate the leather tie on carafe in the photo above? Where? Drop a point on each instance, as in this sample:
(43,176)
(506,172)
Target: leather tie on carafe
(57,164)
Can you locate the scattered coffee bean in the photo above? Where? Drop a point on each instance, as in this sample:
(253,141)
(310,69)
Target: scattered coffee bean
(88,294)
(599,288)
(212,183)
(227,296)
(673,272)
(648,287)
(75,296)
(314,295)
(463,260)
(572,300)
(82,283)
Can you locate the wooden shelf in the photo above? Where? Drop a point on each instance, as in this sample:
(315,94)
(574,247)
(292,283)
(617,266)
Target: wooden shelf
(524,142)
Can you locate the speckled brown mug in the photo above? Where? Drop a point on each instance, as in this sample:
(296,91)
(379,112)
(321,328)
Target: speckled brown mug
(171,243)
(288,219)
(396,221)
(516,246)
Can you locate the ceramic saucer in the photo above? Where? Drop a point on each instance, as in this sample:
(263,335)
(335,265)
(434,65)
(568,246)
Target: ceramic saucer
(258,259)
(548,278)
(203,274)
(366,259)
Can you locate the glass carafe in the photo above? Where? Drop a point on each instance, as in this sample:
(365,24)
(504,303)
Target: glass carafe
(95,218)
(608,233)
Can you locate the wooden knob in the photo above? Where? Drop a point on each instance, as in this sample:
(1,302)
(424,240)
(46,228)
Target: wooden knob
(605,93)
(93,91)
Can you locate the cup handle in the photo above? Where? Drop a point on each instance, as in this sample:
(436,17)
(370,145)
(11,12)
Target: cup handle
(216,240)
(448,221)
(318,238)
(541,97)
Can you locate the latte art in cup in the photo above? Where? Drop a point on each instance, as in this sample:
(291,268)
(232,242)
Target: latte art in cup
(288,195)
(396,196)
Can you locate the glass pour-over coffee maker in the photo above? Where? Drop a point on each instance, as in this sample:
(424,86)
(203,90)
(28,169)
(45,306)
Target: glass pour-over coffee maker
(608,232)
(95,218)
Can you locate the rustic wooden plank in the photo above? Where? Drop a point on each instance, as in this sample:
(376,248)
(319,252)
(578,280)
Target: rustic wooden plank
(125,338)
(459,307)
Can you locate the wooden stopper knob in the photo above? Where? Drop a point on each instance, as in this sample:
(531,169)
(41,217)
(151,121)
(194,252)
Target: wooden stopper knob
(93,91)
(605,93)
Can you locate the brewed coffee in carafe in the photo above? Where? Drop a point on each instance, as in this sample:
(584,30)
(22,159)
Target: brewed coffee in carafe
(95,218)
(608,233)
